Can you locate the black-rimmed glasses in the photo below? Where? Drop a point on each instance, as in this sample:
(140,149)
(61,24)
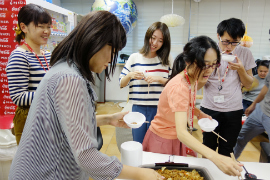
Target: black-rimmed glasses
(214,66)
(226,43)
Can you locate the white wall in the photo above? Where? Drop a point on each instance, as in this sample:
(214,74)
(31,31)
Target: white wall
(205,17)
(78,6)
(56,2)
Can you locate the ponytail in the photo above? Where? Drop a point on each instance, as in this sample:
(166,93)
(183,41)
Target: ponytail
(31,13)
(179,65)
(193,54)
(19,34)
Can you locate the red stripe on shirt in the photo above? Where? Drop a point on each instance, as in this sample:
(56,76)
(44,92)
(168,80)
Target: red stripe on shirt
(158,70)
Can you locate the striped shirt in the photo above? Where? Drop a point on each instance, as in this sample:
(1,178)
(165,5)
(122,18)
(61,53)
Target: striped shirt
(24,72)
(59,137)
(140,93)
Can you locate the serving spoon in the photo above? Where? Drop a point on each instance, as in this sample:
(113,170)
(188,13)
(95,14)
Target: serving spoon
(249,175)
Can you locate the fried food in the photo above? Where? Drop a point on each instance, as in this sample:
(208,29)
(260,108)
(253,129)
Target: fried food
(176,174)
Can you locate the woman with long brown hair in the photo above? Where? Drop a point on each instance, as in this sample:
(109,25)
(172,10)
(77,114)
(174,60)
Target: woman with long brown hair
(146,72)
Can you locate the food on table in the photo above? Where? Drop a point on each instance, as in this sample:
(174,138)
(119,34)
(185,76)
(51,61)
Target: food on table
(175,174)
(133,123)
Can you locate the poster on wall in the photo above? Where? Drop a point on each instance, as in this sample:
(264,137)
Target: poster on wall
(63,21)
(8,21)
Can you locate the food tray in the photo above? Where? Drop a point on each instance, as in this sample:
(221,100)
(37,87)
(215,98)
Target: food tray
(201,170)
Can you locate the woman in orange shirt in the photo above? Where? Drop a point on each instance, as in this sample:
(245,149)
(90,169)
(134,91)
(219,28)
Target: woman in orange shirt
(168,131)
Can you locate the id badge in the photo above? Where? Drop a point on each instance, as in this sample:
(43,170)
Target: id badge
(219,99)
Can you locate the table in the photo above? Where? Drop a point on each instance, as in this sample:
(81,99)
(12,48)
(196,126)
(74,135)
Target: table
(261,170)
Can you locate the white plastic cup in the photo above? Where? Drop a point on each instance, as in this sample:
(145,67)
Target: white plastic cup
(131,153)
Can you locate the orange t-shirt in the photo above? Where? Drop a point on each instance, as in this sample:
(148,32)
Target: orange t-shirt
(175,97)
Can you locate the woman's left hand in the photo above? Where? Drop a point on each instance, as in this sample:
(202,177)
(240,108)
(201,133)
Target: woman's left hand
(117,120)
(150,79)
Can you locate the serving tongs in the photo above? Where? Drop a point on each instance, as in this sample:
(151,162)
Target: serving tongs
(171,163)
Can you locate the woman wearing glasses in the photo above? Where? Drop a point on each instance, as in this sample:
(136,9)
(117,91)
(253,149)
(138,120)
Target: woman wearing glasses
(168,133)
(222,92)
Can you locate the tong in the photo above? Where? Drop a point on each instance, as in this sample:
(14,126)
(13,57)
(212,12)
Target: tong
(171,163)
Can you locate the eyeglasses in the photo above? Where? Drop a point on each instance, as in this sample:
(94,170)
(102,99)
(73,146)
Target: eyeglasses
(227,42)
(214,66)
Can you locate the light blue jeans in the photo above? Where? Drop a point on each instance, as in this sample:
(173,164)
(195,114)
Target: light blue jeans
(256,123)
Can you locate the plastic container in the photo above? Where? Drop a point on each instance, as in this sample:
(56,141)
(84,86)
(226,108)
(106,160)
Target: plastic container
(227,57)
(207,124)
(134,119)
(131,153)
(8,148)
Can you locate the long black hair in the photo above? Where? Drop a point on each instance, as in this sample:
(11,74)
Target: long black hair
(94,31)
(193,53)
(164,52)
(31,13)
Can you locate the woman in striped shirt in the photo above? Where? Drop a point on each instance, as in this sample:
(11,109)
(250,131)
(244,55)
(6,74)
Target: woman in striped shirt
(28,64)
(59,141)
(146,72)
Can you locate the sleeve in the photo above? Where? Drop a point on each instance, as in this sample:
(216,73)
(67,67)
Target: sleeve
(178,98)
(248,59)
(266,81)
(18,79)
(128,67)
(77,117)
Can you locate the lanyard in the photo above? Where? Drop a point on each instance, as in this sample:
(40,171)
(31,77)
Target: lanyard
(191,106)
(223,79)
(38,57)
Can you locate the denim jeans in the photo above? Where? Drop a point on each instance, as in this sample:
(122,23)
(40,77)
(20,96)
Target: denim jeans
(256,123)
(246,104)
(149,112)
